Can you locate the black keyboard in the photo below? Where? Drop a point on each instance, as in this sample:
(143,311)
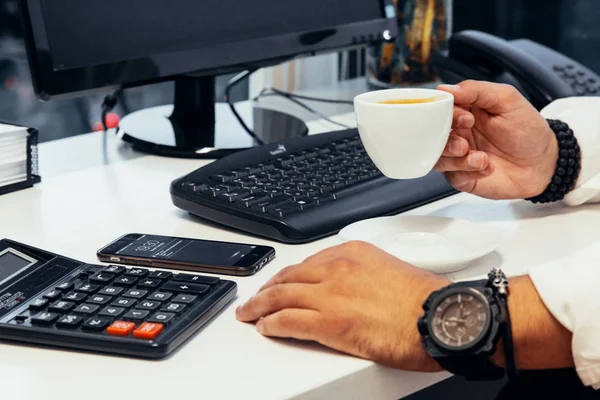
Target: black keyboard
(301,189)
(109,309)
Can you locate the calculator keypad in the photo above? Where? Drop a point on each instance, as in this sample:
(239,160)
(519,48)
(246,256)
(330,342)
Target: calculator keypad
(118,301)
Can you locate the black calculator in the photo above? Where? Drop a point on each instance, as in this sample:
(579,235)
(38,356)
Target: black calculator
(47,299)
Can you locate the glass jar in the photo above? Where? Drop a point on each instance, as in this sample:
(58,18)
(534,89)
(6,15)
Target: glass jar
(424,27)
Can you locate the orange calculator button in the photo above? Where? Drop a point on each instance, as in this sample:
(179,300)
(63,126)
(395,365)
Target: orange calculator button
(120,328)
(148,330)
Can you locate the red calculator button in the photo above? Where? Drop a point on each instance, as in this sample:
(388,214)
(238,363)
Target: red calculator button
(148,330)
(120,328)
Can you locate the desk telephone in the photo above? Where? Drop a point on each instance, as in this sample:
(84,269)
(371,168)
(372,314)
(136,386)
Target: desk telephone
(541,74)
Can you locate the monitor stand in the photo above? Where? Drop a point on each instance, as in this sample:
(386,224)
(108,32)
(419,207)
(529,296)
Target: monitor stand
(195,126)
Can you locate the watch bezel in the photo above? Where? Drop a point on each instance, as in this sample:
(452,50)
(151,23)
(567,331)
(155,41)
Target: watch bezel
(475,345)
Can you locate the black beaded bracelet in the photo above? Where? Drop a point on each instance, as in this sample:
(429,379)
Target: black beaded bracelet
(567,167)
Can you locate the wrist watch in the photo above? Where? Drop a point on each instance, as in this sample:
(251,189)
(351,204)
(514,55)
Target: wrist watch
(462,325)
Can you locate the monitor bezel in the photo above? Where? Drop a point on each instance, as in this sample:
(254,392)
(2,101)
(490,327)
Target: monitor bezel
(50,83)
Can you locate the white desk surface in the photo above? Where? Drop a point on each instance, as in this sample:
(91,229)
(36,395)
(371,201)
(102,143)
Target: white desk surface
(75,213)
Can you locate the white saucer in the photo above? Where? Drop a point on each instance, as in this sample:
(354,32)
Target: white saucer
(437,244)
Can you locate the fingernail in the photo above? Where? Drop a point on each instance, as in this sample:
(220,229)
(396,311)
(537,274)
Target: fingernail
(476,161)
(453,87)
(259,326)
(455,146)
(238,310)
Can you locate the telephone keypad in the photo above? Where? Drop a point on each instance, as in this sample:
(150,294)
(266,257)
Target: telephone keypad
(581,83)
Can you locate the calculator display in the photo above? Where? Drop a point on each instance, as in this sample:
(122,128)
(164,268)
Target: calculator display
(13,262)
(186,250)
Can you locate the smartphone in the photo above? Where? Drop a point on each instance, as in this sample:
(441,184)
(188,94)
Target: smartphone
(187,254)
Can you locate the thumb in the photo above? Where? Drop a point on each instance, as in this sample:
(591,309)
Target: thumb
(494,98)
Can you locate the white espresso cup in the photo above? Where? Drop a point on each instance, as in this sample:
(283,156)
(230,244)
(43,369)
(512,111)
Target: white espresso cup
(405,141)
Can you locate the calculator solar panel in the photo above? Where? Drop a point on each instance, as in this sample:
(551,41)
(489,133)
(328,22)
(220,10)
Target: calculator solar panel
(51,300)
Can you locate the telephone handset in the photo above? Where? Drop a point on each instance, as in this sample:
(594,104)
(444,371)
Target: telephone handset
(540,73)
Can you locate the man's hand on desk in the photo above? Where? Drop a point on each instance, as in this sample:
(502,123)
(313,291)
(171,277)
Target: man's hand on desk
(500,147)
(360,300)
(353,298)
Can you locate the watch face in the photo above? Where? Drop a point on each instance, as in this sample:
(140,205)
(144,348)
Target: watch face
(460,320)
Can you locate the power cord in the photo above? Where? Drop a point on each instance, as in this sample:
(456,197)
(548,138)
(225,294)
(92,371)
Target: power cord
(302,97)
(108,104)
(236,80)
(294,98)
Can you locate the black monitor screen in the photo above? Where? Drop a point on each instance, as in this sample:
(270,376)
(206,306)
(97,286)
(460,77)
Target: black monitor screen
(12,263)
(95,32)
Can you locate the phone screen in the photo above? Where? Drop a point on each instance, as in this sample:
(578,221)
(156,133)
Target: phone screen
(186,250)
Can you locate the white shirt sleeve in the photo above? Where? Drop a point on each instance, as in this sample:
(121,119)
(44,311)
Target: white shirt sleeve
(569,288)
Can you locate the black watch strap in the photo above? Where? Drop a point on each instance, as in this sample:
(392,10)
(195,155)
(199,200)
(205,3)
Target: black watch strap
(472,368)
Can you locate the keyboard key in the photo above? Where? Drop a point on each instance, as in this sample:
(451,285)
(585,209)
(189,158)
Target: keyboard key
(222,178)
(126,281)
(160,296)
(86,308)
(102,277)
(115,269)
(65,286)
(149,305)
(69,321)
(123,302)
(136,315)
(22,318)
(232,197)
(160,275)
(44,318)
(284,211)
(87,288)
(111,311)
(137,272)
(61,306)
(206,280)
(96,324)
(120,328)
(38,304)
(148,330)
(162,317)
(111,291)
(186,287)
(174,307)
(76,297)
(149,283)
(53,294)
(99,299)
(135,293)
(184,298)
(253,200)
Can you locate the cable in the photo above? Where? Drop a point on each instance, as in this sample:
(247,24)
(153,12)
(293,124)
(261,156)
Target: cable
(292,98)
(108,104)
(230,85)
(308,98)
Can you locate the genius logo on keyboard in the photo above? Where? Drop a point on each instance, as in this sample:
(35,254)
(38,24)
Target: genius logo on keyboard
(280,150)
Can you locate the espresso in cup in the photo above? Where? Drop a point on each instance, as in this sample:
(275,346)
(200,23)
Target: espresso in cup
(404,131)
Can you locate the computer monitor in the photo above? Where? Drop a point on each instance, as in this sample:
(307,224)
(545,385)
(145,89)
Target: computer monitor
(77,47)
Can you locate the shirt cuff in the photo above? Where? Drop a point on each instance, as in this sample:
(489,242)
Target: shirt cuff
(569,289)
(582,114)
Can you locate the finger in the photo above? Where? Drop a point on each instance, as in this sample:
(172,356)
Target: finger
(495,98)
(276,298)
(292,323)
(456,147)
(466,181)
(463,119)
(307,272)
(473,161)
